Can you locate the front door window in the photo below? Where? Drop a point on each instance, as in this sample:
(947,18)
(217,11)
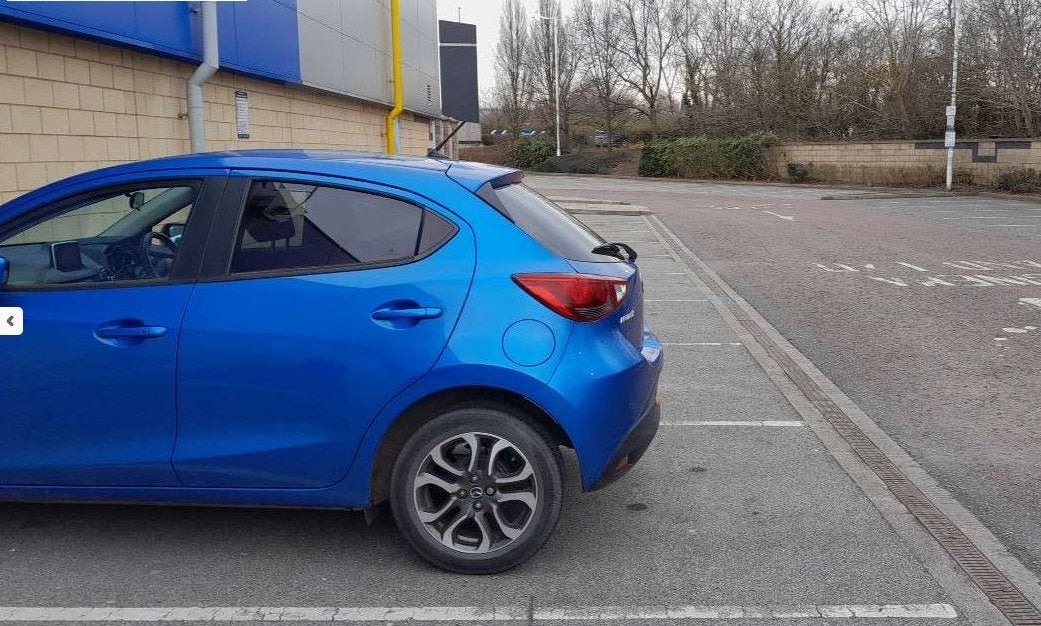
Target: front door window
(129,235)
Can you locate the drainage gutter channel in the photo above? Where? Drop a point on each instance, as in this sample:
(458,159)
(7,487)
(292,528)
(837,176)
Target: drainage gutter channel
(997,587)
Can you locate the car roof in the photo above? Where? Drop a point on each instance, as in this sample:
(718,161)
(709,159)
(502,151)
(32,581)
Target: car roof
(333,162)
(359,165)
(320,161)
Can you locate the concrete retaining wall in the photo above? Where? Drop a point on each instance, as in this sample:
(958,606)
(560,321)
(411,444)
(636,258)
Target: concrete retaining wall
(906,162)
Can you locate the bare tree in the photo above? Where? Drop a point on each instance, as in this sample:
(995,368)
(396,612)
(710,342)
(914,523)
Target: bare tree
(646,41)
(540,61)
(512,85)
(597,23)
(803,69)
(906,29)
(1005,37)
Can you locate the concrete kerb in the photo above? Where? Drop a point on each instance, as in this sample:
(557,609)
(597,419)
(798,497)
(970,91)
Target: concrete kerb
(602,208)
(895,192)
(590,201)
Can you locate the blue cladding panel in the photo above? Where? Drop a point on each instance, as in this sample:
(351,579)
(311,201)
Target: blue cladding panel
(160,26)
(258,37)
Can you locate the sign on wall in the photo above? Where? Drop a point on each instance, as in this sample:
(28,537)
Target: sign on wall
(242,114)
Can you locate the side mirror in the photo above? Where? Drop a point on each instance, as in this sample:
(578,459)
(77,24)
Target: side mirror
(136,200)
(173,230)
(3,271)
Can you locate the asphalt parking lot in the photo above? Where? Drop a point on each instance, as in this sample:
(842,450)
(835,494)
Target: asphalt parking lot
(741,510)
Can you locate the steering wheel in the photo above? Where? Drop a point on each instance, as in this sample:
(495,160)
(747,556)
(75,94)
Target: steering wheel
(157,261)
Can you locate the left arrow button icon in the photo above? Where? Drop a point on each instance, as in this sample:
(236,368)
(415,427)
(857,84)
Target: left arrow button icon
(13,320)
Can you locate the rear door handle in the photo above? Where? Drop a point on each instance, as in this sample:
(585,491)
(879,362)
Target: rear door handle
(418,313)
(131,332)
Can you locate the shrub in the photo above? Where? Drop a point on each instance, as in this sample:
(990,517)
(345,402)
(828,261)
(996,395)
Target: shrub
(656,159)
(699,157)
(745,157)
(799,172)
(528,153)
(963,177)
(582,163)
(1021,180)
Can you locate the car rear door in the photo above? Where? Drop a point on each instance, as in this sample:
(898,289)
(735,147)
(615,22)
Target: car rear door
(328,298)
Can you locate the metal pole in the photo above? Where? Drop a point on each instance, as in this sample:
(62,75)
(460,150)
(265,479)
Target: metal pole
(393,123)
(949,136)
(556,78)
(202,73)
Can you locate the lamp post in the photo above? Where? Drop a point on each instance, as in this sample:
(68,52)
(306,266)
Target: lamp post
(556,72)
(949,137)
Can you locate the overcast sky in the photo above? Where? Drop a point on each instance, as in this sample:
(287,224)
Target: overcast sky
(484,13)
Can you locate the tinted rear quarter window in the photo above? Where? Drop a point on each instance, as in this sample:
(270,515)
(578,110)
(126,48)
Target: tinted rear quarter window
(550,225)
(295,225)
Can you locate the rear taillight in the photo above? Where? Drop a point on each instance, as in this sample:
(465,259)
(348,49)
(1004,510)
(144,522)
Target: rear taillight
(579,297)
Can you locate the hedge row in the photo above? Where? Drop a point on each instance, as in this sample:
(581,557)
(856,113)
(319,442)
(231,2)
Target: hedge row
(527,153)
(700,157)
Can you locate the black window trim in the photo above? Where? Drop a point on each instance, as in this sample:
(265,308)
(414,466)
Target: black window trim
(211,187)
(217,266)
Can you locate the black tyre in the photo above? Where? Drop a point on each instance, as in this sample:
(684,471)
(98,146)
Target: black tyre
(477,490)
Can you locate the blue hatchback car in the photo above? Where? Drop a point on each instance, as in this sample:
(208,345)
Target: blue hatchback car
(321,329)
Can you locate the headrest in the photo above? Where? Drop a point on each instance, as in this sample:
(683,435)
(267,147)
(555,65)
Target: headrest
(270,212)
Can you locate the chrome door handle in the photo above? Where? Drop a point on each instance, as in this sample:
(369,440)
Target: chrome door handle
(131,332)
(418,313)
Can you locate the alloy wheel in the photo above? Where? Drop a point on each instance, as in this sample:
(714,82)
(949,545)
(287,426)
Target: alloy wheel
(475,492)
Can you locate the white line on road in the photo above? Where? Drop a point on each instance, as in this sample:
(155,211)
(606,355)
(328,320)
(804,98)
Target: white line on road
(703,343)
(470,613)
(680,300)
(790,218)
(1031,302)
(987,217)
(762,423)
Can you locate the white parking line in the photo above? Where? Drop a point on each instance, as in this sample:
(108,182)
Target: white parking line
(703,343)
(980,218)
(677,300)
(391,615)
(790,218)
(756,423)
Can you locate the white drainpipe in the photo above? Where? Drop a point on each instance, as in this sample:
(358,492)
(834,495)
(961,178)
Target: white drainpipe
(210,63)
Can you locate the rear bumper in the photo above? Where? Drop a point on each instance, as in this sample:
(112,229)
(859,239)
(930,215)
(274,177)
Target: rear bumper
(631,448)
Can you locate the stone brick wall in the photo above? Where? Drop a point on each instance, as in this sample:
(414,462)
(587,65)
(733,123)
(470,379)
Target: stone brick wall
(69,105)
(906,162)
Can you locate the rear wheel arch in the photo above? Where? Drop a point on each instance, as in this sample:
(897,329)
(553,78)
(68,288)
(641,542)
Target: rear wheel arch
(429,407)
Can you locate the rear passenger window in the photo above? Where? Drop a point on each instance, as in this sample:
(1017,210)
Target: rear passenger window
(293,226)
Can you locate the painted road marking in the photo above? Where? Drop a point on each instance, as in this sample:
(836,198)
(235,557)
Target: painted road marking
(704,343)
(664,300)
(1035,302)
(790,218)
(1025,273)
(471,613)
(988,217)
(757,423)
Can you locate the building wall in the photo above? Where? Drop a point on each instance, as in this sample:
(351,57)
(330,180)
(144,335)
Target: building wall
(258,37)
(69,105)
(906,162)
(345,47)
